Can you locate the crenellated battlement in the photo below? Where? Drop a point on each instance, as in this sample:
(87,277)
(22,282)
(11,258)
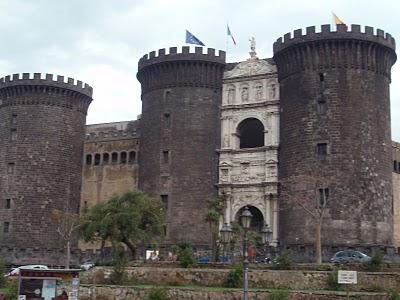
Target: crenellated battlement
(342,32)
(36,79)
(185,55)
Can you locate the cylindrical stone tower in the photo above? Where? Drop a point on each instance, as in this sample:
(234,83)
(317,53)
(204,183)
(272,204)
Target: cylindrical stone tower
(335,145)
(179,135)
(42,129)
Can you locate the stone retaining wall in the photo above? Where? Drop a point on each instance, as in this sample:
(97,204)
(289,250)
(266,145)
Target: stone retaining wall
(96,292)
(367,281)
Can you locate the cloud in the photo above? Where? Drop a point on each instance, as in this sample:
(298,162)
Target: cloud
(100,42)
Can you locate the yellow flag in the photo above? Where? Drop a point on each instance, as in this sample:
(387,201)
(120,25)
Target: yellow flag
(336,20)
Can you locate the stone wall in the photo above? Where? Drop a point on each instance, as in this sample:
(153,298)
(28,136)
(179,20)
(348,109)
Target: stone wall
(101,292)
(110,163)
(316,280)
(396,193)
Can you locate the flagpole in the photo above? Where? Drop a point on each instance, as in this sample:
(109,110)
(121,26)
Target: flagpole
(226,40)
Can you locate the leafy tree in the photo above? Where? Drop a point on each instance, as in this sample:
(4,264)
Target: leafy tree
(214,213)
(131,218)
(66,225)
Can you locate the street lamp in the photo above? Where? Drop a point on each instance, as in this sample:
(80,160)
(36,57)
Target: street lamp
(245,220)
(226,233)
(266,237)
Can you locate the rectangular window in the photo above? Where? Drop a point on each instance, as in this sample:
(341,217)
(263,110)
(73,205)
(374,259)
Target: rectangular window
(165,156)
(8,203)
(14,119)
(322,107)
(323,197)
(164,200)
(13,134)
(6,227)
(322,149)
(10,168)
(395,165)
(167,120)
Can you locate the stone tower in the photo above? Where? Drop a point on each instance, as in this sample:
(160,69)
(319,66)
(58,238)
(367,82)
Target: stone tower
(42,129)
(335,147)
(179,129)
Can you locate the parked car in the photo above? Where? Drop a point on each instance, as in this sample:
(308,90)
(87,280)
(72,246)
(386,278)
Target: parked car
(350,256)
(15,271)
(87,265)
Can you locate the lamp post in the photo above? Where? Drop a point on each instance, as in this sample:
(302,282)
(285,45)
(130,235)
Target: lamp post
(266,237)
(226,233)
(245,220)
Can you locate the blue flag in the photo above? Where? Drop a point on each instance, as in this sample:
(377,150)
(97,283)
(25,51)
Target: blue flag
(191,39)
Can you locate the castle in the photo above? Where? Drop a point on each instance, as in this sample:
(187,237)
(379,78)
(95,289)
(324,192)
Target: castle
(308,128)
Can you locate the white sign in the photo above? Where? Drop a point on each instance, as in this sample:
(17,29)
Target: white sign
(347,277)
(21,297)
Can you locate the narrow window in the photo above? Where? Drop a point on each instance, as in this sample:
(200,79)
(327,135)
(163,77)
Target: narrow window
(322,149)
(13,134)
(164,200)
(322,107)
(321,77)
(167,120)
(132,157)
(8,203)
(10,168)
(323,197)
(88,159)
(14,119)
(6,228)
(97,158)
(165,156)
(114,157)
(395,165)
(106,158)
(123,158)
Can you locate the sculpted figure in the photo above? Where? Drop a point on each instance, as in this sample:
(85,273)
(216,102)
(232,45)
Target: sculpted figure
(245,93)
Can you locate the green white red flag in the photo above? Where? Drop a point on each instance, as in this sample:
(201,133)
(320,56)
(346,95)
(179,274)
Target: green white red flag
(228,31)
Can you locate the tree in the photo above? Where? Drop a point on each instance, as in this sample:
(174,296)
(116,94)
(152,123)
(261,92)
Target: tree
(213,217)
(66,225)
(312,194)
(131,218)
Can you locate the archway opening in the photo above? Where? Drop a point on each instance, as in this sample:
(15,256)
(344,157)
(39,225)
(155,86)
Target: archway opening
(257,221)
(251,133)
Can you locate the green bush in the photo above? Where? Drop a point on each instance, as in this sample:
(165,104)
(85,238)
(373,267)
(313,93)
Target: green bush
(235,276)
(284,260)
(158,293)
(2,271)
(185,254)
(332,281)
(393,295)
(10,289)
(376,263)
(279,295)
(119,275)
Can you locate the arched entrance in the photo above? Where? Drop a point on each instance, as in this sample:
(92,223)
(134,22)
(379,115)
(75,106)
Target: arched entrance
(251,133)
(257,221)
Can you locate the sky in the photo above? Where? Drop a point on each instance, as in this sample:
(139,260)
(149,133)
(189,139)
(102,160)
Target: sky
(100,42)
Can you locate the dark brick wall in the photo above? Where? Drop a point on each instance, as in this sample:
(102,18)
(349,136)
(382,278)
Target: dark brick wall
(350,72)
(187,91)
(49,120)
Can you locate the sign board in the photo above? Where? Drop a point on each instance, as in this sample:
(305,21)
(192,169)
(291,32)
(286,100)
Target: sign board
(21,297)
(347,277)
